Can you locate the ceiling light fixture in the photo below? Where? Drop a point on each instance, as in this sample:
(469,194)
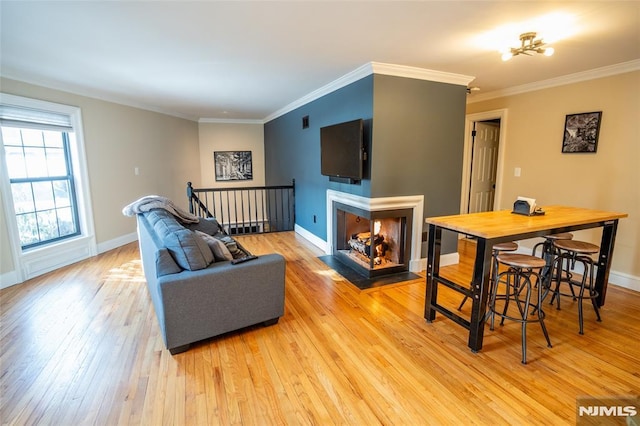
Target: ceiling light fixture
(529,44)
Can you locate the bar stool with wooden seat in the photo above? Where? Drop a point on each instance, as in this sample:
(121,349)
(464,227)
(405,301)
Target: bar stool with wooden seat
(572,252)
(497,248)
(549,252)
(547,244)
(522,280)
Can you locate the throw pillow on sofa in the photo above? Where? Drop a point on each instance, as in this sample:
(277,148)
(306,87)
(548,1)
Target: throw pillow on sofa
(232,246)
(189,251)
(217,247)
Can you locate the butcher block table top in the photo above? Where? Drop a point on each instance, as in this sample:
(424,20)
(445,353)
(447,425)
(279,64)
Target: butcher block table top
(496,224)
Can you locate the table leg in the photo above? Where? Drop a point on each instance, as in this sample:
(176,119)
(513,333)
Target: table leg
(547,255)
(433,269)
(480,293)
(604,259)
(546,275)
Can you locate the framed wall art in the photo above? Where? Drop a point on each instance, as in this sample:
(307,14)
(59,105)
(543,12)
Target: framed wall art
(233,165)
(581,132)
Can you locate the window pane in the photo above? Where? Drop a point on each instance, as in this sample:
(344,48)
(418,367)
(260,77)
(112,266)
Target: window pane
(56,162)
(11,136)
(52,139)
(22,198)
(65,222)
(43,193)
(62,193)
(36,162)
(45,209)
(32,137)
(47,225)
(40,170)
(15,162)
(27,228)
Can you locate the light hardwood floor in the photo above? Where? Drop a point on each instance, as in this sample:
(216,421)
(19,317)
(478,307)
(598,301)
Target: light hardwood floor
(81,346)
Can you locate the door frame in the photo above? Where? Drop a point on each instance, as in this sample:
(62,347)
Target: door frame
(470,119)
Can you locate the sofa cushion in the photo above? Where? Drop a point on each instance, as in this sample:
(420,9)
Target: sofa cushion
(162,222)
(187,249)
(207,225)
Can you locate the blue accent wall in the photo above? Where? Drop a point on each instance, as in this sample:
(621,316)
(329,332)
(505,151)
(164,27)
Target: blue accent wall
(292,152)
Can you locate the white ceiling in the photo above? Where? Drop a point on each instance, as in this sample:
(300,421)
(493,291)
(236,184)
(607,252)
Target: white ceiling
(246,60)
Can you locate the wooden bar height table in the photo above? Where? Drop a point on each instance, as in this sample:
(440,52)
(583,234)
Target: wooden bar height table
(495,227)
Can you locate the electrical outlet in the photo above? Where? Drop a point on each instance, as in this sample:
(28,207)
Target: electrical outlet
(517,171)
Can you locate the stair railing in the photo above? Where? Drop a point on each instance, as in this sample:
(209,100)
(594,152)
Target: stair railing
(246,210)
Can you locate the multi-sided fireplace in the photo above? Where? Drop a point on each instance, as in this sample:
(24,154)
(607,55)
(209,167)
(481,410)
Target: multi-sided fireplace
(374,243)
(375,237)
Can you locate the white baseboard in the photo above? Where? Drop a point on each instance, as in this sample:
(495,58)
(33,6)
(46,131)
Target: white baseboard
(316,241)
(445,260)
(117,242)
(8,279)
(624,280)
(418,265)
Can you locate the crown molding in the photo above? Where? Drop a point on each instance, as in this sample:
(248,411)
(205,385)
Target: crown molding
(88,93)
(421,74)
(593,74)
(373,68)
(351,77)
(229,121)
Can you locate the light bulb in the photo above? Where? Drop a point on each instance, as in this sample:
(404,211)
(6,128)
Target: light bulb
(549,51)
(506,56)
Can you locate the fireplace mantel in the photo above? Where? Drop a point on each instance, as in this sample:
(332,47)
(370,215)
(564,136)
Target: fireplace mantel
(414,202)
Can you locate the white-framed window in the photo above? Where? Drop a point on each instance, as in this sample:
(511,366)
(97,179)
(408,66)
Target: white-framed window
(44,184)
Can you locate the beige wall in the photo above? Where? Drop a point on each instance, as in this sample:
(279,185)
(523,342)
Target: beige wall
(231,137)
(117,139)
(606,180)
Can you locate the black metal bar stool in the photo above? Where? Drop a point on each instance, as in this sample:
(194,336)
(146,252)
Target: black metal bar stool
(572,252)
(548,252)
(497,248)
(522,280)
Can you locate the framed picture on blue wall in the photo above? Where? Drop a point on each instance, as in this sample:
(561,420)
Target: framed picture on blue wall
(233,165)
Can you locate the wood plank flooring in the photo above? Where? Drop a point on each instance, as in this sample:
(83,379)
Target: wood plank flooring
(81,346)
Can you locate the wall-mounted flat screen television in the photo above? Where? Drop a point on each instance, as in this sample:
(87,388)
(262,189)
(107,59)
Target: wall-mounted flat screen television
(342,150)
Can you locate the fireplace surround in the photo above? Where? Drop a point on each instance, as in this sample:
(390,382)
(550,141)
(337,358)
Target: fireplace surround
(403,213)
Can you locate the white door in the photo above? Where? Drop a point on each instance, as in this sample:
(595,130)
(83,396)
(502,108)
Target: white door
(484,166)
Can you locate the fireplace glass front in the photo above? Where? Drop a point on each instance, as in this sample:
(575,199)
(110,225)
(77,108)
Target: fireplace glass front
(374,243)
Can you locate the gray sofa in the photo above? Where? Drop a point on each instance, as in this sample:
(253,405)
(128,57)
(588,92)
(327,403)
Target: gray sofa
(195,298)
